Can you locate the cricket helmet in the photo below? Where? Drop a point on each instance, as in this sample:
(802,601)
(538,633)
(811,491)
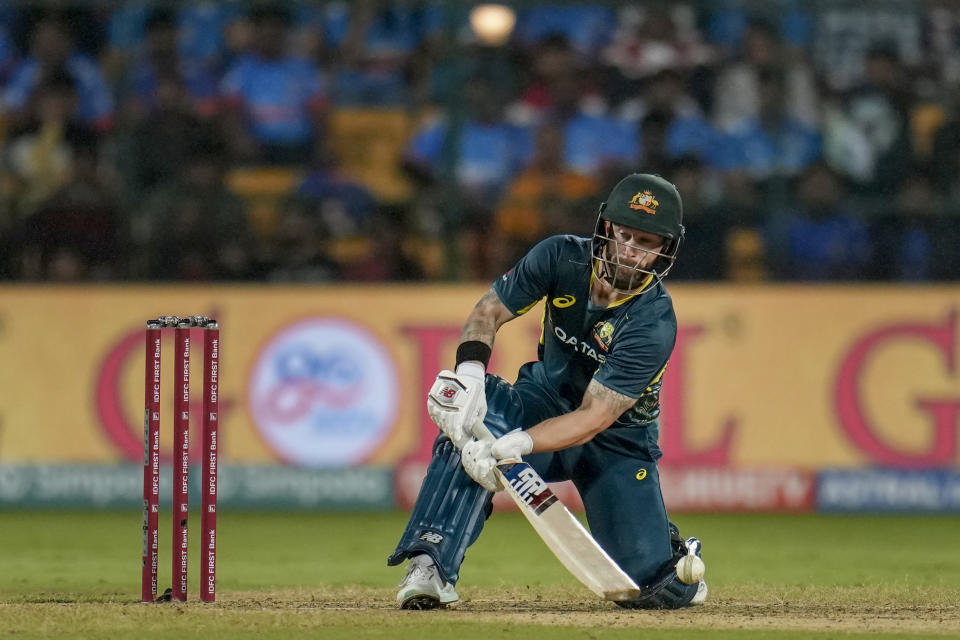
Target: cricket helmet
(641,201)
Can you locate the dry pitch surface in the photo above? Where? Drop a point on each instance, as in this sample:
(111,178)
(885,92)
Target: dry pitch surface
(71,575)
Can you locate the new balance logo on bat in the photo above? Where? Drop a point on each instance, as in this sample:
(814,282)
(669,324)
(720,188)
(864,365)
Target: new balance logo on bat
(529,486)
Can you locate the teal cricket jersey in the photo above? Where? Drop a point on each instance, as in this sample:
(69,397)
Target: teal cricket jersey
(624,347)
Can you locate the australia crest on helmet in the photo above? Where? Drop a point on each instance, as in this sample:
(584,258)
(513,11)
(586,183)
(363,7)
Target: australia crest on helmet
(645,201)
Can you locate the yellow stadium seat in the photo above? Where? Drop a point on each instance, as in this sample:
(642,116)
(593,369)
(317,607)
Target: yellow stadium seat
(925,120)
(368,145)
(745,256)
(264,189)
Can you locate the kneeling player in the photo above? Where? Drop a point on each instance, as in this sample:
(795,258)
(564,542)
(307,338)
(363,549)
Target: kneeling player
(585,411)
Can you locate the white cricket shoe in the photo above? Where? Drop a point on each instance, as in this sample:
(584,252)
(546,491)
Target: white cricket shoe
(701,595)
(694,546)
(423,588)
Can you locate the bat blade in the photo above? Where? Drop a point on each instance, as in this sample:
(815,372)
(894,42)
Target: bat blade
(563,534)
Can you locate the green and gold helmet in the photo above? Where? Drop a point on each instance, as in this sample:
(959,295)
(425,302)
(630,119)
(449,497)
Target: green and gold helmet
(646,202)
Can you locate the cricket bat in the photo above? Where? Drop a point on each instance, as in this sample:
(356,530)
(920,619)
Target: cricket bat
(569,541)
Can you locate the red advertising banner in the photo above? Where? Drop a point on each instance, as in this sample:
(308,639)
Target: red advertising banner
(796,378)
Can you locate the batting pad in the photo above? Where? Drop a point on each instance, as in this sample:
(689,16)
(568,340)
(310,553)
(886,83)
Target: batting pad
(448,516)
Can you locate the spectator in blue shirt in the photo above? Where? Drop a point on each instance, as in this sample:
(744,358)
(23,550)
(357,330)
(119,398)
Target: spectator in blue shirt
(588,27)
(600,145)
(673,121)
(202,28)
(275,103)
(489,151)
(595,142)
(8,53)
(916,240)
(374,50)
(160,57)
(693,136)
(774,143)
(342,207)
(52,49)
(820,240)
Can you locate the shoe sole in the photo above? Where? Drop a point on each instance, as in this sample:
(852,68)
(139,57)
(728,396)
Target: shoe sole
(421,602)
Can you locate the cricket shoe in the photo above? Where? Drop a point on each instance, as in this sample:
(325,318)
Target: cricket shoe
(701,596)
(693,546)
(423,588)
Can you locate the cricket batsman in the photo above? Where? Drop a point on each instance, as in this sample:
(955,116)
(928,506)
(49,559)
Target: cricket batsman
(585,411)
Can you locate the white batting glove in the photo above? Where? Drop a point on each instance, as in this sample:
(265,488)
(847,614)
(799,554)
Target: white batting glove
(479,457)
(512,446)
(478,463)
(456,400)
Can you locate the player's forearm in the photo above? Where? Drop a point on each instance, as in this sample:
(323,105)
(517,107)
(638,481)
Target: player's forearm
(600,407)
(487,317)
(568,430)
(479,327)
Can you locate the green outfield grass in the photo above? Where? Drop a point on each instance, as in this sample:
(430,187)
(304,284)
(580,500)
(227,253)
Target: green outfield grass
(281,575)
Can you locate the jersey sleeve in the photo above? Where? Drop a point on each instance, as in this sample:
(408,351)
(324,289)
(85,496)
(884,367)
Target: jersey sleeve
(533,278)
(637,359)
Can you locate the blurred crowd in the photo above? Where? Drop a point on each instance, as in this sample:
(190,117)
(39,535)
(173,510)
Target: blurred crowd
(382,141)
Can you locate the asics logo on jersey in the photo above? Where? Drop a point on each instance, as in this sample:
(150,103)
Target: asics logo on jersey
(564,301)
(580,347)
(641,474)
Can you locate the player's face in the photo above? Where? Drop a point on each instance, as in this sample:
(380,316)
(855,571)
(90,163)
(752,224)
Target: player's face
(629,251)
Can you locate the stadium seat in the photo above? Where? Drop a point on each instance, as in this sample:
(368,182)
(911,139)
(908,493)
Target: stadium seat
(745,256)
(368,144)
(264,189)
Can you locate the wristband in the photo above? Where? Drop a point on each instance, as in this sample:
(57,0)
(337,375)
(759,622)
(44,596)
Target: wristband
(474,350)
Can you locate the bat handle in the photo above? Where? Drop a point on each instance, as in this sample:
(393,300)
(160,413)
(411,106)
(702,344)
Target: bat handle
(480,430)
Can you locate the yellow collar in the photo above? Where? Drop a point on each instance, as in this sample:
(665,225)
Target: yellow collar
(646,283)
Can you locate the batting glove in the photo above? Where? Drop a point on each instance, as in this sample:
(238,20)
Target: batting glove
(479,464)
(512,446)
(456,400)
